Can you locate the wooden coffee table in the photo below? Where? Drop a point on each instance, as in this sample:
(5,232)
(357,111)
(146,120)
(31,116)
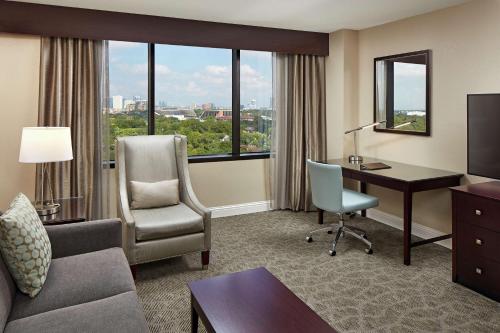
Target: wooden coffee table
(251,301)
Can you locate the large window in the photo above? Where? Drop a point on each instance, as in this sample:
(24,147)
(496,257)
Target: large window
(220,99)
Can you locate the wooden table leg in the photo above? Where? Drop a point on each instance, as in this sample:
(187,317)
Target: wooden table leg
(194,318)
(408,201)
(363,190)
(321,213)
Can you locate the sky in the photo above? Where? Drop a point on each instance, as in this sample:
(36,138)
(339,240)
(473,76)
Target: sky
(409,86)
(187,75)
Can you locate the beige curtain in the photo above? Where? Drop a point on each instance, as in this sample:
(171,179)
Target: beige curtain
(73,92)
(299,127)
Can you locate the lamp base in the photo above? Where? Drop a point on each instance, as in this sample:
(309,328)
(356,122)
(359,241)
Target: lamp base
(47,209)
(355,159)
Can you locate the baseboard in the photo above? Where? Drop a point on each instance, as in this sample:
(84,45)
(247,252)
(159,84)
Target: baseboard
(418,230)
(240,209)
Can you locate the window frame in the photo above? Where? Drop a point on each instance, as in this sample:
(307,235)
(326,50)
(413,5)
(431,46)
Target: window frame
(235,154)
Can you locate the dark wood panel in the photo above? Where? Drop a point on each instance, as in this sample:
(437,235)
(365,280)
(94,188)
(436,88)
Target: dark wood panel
(479,211)
(476,241)
(252,301)
(481,275)
(44,20)
(490,190)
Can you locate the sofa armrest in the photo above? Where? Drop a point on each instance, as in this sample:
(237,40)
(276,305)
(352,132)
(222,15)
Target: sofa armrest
(77,238)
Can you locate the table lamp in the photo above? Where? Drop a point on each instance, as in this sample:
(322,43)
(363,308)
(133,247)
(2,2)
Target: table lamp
(45,145)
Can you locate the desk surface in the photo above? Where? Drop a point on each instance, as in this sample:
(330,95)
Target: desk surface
(399,171)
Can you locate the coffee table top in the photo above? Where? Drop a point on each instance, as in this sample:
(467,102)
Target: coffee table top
(252,301)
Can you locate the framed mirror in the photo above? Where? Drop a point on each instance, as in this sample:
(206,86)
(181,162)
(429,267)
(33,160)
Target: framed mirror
(402,93)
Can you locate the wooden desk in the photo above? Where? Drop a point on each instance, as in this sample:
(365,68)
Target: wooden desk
(405,178)
(251,301)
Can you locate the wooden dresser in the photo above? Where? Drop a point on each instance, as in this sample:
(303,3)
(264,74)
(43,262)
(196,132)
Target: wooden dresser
(476,237)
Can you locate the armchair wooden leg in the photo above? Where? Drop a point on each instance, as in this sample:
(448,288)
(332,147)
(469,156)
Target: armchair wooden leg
(133,269)
(205,258)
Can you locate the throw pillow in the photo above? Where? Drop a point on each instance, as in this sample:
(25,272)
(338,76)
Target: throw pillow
(151,195)
(25,245)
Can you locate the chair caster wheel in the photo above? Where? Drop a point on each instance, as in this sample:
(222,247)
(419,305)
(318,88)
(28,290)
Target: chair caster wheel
(332,253)
(364,236)
(309,239)
(369,251)
(330,232)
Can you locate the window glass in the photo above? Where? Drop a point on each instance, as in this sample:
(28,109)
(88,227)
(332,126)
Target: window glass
(256,72)
(193,96)
(128,86)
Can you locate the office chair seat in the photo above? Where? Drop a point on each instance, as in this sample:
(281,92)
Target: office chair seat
(353,201)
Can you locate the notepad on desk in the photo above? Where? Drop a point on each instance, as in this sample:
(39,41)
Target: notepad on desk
(374,166)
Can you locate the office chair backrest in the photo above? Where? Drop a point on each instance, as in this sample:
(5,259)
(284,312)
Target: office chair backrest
(326,185)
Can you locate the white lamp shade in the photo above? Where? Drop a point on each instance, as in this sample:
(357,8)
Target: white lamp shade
(45,144)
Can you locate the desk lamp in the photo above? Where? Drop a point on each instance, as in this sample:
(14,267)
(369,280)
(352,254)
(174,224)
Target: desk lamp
(356,159)
(45,145)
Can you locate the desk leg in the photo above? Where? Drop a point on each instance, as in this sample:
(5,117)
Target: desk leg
(194,319)
(321,214)
(363,190)
(408,201)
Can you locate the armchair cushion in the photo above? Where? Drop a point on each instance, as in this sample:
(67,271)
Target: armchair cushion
(165,222)
(76,280)
(151,195)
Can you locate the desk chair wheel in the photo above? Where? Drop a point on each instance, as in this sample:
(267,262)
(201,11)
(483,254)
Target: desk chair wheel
(364,236)
(309,239)
(369,251)
(332,252)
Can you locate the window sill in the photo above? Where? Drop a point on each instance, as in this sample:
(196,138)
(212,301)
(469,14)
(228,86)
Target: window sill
(213,158)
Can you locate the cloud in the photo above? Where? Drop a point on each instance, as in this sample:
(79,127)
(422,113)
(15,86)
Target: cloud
(252,79)
(142,69)
(122,45)
(217,70)
(257,54)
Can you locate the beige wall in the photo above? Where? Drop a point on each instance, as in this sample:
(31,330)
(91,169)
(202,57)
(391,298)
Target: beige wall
(465,59)
(19,65)
(216,183)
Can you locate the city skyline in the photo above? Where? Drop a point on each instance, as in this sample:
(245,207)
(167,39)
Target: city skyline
(187,75)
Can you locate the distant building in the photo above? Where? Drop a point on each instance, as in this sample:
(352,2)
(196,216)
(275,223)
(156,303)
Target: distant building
(252,105)
(128,105)
(208,106)
(174,112)
(117,103)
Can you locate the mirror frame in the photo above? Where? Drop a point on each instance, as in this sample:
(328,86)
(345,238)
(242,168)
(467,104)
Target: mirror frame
(427,132)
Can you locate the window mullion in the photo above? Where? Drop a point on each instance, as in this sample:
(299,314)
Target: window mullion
(235,112)
(151,89)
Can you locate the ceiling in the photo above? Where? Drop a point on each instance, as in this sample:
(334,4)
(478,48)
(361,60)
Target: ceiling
(309,15)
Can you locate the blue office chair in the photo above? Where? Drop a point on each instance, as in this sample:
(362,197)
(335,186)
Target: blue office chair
(328,194)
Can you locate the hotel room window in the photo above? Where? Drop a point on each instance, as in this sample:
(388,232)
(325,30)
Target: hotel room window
(193,96)
(128,90)
(256,77)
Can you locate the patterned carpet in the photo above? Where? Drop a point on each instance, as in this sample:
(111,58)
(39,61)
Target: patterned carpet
(353,291)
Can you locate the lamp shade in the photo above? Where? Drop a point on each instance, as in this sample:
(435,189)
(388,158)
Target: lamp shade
(45,144)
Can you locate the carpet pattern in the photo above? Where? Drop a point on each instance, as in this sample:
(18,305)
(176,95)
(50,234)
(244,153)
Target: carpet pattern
(353,291)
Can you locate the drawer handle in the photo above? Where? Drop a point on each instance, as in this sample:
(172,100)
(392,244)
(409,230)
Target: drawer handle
(479,241)
(479,271)
(479,212)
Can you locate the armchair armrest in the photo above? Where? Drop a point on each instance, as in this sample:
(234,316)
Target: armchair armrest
(186,189)
(78,238)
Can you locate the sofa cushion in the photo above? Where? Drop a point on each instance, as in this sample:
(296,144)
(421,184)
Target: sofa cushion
(25,245)
(120,313)
(165,222)
(78,279)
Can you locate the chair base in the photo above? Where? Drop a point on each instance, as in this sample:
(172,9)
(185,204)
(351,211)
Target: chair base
(341,230)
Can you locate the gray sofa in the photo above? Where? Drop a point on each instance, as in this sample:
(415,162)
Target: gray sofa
(89,287)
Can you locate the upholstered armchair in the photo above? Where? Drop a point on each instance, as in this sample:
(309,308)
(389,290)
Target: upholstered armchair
(158,233)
